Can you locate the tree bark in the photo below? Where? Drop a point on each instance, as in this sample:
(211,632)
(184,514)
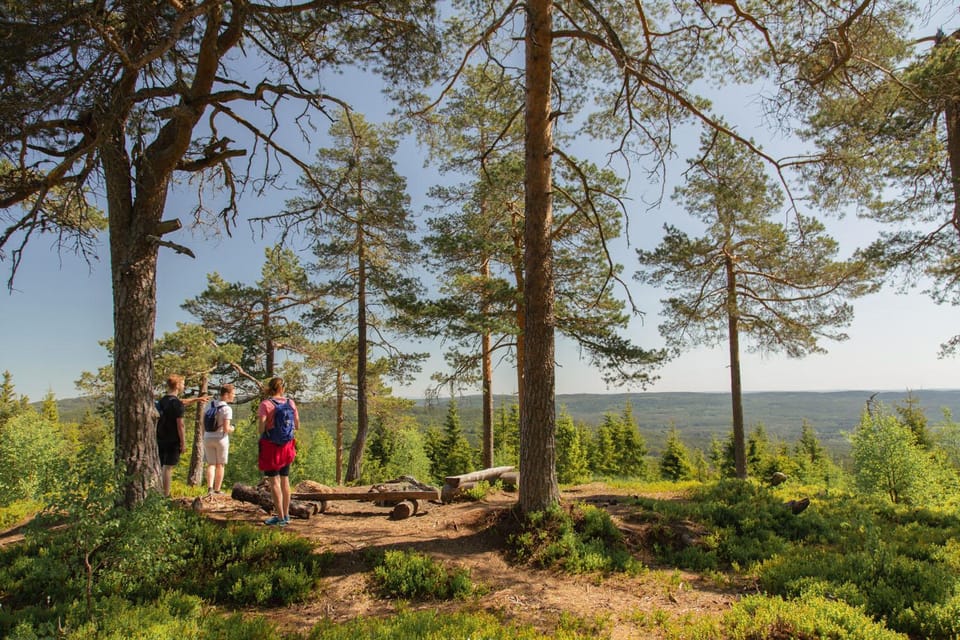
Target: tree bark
(486,372)
(340,394)
(539,490)
(195,472)
(736,391)
(356,451)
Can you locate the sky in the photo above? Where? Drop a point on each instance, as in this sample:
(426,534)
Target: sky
(59,309)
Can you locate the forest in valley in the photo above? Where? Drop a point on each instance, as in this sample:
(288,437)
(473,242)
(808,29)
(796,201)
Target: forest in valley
(540,117)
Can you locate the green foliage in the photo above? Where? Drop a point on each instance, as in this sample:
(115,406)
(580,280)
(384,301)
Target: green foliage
(507,442)
(889,461)
(572,461)
(427,625)
(479,491)
(396,452)
(245,565)
(617,449)
(815,617)
(675,460)
(458,456)
(85,551)
(30,451)
(410,575)
(581,540)
(895,562)
(742,524)
(316,456)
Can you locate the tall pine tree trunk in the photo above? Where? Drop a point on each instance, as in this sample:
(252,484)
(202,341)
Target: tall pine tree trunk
(538,487)
(736,391)
(340,395)
(486,372)
(356,451)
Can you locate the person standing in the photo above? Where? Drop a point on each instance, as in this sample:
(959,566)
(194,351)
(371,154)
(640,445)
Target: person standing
(277,420)
(216,444)
(171,439)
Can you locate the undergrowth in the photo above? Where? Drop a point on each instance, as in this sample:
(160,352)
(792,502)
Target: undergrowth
(579,539)
(410,575)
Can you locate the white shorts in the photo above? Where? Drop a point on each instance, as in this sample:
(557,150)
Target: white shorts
(216,450)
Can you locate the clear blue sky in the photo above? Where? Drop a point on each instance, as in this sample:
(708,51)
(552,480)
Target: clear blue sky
(60,308)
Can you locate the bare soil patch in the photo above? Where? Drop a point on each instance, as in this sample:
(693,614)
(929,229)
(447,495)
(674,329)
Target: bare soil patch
(462,534)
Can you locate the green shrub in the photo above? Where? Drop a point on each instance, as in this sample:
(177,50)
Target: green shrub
(580,540)
(409,575)
(241,565)
(807,619)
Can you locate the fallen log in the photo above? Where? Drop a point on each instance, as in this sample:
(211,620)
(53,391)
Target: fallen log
(261,496)
(510,479)
(448,494)
(492,473)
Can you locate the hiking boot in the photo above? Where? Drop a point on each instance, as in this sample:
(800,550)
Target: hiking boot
(286,520)
(274,521)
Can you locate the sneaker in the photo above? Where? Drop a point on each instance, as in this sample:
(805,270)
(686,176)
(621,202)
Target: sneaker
(274,520)
(286,520)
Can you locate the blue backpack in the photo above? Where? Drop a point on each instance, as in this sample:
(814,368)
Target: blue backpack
(210,417)
(282,430)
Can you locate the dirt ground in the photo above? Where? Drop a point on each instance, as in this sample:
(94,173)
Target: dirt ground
(460,534)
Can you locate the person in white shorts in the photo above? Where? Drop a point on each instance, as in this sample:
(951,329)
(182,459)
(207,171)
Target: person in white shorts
(216,444)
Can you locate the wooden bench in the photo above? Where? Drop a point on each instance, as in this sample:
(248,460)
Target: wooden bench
(405,503)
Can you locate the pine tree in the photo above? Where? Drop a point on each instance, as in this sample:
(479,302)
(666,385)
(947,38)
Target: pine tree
(572,464)
(458,454)
(749,276)
(675,460)
(631,448)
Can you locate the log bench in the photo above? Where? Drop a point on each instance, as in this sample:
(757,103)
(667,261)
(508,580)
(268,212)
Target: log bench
(405,503)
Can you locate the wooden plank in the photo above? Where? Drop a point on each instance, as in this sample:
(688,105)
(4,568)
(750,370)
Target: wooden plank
(368,496)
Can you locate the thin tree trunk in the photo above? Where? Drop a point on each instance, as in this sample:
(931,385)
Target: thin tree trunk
(195,472)
(539,490)
(487,382)
(521,322)
(736,392)
(356,451)
(340,393)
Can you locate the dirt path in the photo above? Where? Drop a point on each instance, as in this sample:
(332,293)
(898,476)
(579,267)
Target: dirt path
(460,534)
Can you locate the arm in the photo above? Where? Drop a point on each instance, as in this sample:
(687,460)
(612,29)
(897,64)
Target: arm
(181,435)
(262,420)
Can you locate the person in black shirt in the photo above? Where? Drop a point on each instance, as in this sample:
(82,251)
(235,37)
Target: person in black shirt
(171,440)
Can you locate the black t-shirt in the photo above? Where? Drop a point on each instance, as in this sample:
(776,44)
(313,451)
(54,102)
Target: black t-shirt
(170,409)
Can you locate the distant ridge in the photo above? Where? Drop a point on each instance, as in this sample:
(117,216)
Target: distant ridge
(698,416)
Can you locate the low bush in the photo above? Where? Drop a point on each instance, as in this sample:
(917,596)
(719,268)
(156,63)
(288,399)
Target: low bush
(408,575)
(581,539)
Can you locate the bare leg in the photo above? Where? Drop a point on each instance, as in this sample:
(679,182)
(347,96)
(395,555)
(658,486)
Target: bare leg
(167,478)
(217,477)
(285,491)
(210,477)
(274,482)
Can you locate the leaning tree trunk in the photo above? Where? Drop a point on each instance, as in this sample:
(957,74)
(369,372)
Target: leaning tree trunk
(195,472)
(539,489)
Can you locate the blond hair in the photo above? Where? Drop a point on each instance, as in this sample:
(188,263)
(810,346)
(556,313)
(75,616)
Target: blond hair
(174,382)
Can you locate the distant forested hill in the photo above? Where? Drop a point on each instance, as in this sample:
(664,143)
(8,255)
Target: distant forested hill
(698,416)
